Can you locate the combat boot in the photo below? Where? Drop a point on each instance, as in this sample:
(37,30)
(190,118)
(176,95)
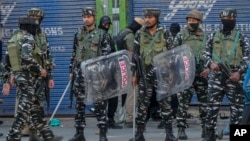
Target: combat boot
(113,125)
(34,136)
(182,134)
(49,136)
(169,133)
(79,136)
(210,135)
(103,132)
(139,133)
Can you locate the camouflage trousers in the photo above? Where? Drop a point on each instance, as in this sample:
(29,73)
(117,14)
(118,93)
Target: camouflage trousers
(145,94)
(99,103)
(218,86)
(200,88)
(30,107)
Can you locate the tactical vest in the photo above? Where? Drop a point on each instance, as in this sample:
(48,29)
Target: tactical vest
(227,49)
(196,43)
(119,40)
(88,44)
(14,50)
(151,45)
(42,43)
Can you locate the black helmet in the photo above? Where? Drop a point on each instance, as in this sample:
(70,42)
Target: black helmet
(88,11)
(28,20)
(106,19)
(36,12)
(228,12)
(152,12)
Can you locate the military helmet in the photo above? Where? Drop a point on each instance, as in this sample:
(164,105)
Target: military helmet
(36,12)
(152,12)
(228,12)
(88,11)
(28,20)
(195,14)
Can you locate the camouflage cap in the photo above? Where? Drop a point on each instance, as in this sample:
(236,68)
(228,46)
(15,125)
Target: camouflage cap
(28,20)
(139,21)
(36,12)
(88,11)
(228,12)
(195,14)
(152,12)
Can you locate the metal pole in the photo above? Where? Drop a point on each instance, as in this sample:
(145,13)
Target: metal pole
(58,104)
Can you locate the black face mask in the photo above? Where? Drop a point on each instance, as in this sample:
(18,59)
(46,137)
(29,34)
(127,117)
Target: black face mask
(193,26)
(228,25)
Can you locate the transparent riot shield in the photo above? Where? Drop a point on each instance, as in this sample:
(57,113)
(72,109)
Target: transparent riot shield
(175,70)
(107,76)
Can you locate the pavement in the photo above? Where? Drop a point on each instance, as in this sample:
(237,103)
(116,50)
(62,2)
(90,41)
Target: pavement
(152,133)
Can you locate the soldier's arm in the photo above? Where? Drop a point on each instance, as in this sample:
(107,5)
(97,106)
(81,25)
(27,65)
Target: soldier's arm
(169,39)
(72,58)
(129,41)
(50,59)
(207,54)
(106,43)
(178,39)
(244,43)
(27,62)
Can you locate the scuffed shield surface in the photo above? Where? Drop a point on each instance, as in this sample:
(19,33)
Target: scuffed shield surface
(175,70)
(107,76)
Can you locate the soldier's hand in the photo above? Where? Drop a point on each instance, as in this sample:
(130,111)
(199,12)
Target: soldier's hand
(43,73)
(235,77)
(134,81)
(70,76)
(205,73)
(6,89)
(215,67)
(12,82)
(51,83)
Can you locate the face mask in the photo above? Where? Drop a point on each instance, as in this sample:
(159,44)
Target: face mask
(228,25)
(193,26)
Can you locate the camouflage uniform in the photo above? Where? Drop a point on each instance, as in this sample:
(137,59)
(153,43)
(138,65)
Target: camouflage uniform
(196,39)
(230,47)
(27,82)
(162,41)
(88,45)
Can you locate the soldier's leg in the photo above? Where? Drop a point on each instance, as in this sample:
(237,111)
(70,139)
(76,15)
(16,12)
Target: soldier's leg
(215,95)
(80,122)
(100,111)
(201,91)
(184,99)
(236,97)
(167,115)
(40,123)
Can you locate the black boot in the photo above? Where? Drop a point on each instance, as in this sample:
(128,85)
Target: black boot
(182,134)
(49,136)
(103,131)
(169,133)
(113,125)
(139,133)
(79,136)
(161,125)
(34,136)
(210,135)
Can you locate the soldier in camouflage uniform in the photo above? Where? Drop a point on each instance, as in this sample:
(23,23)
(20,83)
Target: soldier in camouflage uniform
(161,40)
(226,48)
(27,82)
(196,38)
(89,42)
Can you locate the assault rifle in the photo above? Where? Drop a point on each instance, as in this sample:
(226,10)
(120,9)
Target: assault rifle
(139,68)
(72,84)
(226,70)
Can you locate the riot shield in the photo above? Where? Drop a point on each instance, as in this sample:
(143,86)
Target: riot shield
(107,76)
(175,70)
